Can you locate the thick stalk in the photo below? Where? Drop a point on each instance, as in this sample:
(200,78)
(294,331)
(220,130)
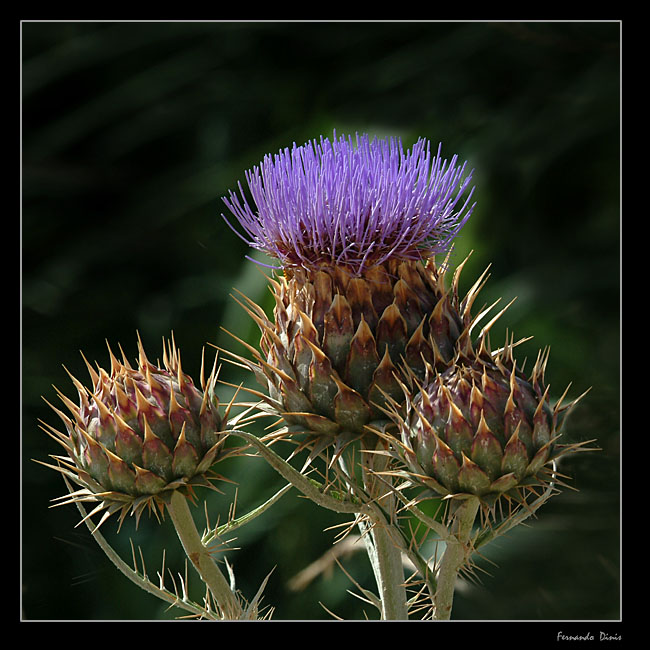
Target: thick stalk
(200,557)
(386,560)
(383,548)
(385,555)
(456,553)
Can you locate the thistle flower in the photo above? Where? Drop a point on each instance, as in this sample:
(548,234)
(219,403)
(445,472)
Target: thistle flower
(353,206)
(139,434)
(350,225)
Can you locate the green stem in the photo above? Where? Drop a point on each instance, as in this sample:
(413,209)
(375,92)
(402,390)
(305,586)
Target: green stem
(132,574)
(383,542)
(386,561)
(200,557)
(310,488)
(244,519)
(456,554)
(385,555)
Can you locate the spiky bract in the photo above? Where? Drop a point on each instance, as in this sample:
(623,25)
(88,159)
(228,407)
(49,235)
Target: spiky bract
(332,353)
(139,434)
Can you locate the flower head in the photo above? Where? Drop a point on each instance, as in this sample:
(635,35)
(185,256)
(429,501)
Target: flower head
(139,434)
(353,204)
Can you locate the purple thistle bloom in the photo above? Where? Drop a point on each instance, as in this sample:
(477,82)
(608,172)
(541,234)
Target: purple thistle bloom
(352,205)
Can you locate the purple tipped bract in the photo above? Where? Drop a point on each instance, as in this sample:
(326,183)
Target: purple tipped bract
(352,204)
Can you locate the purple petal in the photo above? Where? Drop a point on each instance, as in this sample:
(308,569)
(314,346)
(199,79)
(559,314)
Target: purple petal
(352,204)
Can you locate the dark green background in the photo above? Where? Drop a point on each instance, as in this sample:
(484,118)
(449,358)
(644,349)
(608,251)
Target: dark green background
(131,133)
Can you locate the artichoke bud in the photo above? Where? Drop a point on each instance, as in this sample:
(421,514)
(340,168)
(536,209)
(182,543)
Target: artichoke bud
(479,428)
(140,433)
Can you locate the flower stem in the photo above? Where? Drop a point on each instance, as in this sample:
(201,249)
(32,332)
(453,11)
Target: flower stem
(200,557)
(132,574)
(310,488)
(385,555)
(455,555)
(386,562)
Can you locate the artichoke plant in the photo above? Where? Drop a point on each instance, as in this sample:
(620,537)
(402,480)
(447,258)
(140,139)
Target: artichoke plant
(140,434)
(369,339)
(350,224)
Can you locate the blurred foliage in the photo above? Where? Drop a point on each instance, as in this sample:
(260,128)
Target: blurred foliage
(131,133)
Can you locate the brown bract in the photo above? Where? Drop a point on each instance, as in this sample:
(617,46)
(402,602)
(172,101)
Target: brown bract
(336,345)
